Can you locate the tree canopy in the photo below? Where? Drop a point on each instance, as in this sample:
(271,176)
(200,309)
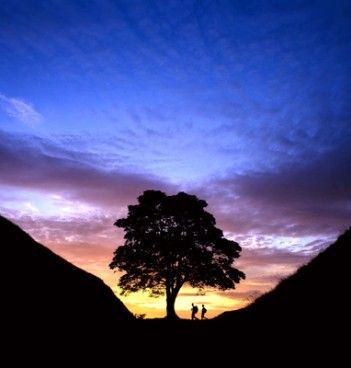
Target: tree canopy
(170,241)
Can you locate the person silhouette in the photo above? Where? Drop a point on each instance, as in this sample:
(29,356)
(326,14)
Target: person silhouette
(194,310)
(203,312)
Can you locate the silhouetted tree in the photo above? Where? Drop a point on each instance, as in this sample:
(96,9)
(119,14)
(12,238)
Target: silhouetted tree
(170,241)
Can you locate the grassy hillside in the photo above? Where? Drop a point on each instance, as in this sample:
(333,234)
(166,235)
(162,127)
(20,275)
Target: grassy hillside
(317,293)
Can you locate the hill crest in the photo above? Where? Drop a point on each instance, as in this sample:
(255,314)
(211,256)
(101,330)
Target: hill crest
(43,289)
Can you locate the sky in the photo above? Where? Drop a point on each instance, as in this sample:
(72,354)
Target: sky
(246,104)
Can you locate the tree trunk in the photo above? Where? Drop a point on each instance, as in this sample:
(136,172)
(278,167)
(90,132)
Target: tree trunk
(170,299)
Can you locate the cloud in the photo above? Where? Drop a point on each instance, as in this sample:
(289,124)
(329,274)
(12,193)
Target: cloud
(41,165)
(82,231)
(20,110)
(304,199)
(311,197)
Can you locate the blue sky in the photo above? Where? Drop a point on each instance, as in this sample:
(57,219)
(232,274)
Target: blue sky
(245,103)
(220,79)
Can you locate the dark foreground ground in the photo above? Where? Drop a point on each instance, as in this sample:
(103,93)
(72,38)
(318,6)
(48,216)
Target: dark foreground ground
(184,343)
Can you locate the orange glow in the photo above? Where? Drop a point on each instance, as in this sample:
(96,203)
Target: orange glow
(92,250)
(96,259)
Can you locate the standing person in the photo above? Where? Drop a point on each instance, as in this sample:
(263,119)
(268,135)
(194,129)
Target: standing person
(203,312)
(194,310)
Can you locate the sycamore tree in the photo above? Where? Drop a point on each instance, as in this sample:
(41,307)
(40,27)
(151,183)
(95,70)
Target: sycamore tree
(170,241)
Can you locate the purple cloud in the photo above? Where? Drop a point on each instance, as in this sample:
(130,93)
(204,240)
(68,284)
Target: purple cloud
(50,168)
(309,198)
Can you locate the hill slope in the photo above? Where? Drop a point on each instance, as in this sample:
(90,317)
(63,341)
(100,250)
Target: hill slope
(315,294)
(43,291)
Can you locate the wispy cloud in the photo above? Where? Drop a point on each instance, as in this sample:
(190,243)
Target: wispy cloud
(20,110)
(301,202)
(307,199)
(26,162)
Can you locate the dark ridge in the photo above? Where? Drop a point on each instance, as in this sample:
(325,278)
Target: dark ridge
(317,294)
(44,292)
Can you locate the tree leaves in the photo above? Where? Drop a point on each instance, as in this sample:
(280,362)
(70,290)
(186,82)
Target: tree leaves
(172,240)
